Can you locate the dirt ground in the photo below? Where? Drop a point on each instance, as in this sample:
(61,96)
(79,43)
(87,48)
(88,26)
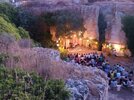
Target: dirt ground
(124,94)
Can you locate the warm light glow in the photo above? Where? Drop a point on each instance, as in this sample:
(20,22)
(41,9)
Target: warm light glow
(87,40)
(90,38)
(79,34)
(57,41)
(80,39)
(58,45)
(96,43)
(74,35)
(117,47)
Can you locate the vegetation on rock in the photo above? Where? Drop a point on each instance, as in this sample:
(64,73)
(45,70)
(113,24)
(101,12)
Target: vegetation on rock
(8,28)
(16,84)
(9,21)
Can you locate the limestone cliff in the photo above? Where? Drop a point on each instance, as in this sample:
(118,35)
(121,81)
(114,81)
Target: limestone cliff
(113,11)
(89,83)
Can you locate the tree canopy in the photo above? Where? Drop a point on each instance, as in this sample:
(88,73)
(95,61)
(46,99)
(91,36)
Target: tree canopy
(69,20)
(10,11)
(64,20)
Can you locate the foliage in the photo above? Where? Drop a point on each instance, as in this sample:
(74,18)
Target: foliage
(9,28)
(128,27)
(25,18)
(5,18)
(9,18)
(23,33)
(47,42)
(63,53)
(55,90)
(3,57)
(48,18)
(68,20)
(10,11)
(64,20)
(102,25)
(16,84)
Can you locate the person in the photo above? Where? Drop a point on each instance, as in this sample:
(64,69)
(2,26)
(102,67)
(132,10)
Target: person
(130,83)
(119,87)
(125,82)
(113,83)
(118,75)
(131,73)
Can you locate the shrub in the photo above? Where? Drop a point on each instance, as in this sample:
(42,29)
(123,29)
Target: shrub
(23,33)
(9,28)
(16,84)
(63,53)
(3,57)
(55,90)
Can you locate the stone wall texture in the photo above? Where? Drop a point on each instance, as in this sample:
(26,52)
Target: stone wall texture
(113,11)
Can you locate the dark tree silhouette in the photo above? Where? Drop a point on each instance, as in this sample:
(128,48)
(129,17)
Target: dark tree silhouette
(128,27)
(102,25)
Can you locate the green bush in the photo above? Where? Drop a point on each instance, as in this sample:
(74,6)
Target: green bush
(3,57)
(10,11)
(55,90)
(16,84)
(8,28)
(23,33)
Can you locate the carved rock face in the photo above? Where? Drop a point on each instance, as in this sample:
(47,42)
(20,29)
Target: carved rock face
(112,10)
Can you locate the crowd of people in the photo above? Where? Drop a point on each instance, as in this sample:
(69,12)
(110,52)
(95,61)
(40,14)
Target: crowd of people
(117,74)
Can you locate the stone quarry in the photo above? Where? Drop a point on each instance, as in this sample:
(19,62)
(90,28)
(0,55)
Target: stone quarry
(84,83)
(113,11)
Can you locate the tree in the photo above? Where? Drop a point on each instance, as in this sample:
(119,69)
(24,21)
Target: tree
(128,27)
(25,18)
(10,11)
(61,22)
(68,20)
(102,25)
